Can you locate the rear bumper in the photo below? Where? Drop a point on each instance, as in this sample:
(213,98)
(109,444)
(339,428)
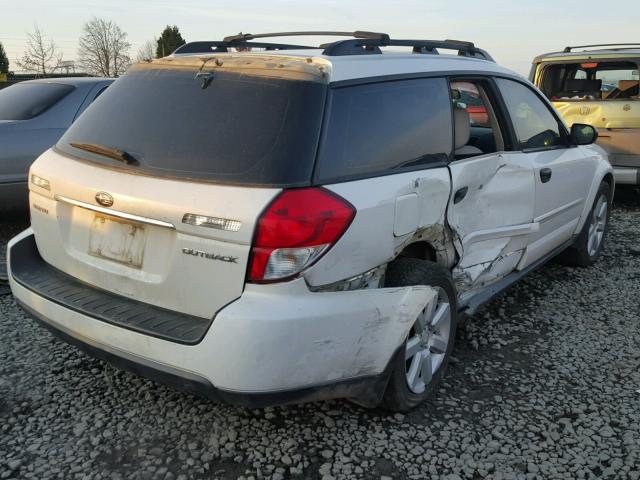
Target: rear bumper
(626,175)
(276,344)
(367,391)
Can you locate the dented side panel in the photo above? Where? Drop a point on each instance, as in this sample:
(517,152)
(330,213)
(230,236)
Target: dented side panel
(370,240)
(493,221)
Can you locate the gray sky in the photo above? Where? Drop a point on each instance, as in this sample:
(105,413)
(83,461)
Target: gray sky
(513,32)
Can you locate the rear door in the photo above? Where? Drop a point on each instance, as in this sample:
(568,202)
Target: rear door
(562,173)
(491,209)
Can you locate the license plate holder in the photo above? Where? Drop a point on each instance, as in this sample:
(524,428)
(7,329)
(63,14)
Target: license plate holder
(117,240)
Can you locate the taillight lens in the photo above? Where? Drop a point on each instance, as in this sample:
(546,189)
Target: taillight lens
(295,230)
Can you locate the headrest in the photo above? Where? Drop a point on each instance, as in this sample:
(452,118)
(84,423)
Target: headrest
(462,126)
(583,85)
(627,84)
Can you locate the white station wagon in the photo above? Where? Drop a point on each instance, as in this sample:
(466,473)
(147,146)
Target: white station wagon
(267,223)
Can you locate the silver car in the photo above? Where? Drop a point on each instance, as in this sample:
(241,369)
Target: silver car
(33,116)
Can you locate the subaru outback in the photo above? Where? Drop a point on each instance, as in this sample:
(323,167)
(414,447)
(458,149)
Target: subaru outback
(598,85)
(266,223)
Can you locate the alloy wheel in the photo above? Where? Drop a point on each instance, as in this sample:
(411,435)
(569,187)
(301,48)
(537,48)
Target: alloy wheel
(427,343)
(597,225)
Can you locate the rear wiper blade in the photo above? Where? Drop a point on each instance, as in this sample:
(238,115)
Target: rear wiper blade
(114,153)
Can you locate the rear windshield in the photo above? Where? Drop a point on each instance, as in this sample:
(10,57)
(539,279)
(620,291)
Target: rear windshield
(230,127)
(591,80)
(28,100)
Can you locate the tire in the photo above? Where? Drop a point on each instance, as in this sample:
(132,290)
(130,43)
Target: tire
(400,396)
(583,253)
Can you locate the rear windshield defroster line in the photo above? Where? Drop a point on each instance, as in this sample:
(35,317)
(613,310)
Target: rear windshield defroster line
(242,129)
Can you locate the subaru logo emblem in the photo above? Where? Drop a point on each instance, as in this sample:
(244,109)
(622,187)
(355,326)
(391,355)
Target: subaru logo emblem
(627,107)
(104,199)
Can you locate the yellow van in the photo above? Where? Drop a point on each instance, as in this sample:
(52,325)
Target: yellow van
(598,85)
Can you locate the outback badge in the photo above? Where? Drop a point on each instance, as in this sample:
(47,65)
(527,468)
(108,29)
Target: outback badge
(210,256)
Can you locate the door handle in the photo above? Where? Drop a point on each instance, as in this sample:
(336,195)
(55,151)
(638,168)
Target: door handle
(545,175)
(460,194)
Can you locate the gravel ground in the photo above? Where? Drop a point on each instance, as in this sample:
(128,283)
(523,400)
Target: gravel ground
(545,383)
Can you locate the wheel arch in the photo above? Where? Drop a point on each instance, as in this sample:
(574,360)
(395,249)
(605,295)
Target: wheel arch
(422,250)
(434,244)
(603,174)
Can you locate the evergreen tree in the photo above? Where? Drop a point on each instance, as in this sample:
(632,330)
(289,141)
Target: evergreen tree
(169,40)
(4,61)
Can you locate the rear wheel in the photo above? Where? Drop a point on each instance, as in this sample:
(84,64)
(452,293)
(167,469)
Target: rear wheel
(422,362)
(589,244)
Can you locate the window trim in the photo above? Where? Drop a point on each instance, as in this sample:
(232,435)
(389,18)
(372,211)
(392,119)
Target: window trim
(562,128)
(499,107)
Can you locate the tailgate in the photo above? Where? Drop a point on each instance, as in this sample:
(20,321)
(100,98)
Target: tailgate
(139,247)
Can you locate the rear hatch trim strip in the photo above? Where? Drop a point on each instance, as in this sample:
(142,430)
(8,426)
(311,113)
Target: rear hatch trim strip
(115,213)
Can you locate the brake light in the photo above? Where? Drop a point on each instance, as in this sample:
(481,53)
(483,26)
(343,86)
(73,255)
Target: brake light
(295,230)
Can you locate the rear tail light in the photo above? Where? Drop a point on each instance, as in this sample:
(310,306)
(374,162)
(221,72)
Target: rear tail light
(295,230)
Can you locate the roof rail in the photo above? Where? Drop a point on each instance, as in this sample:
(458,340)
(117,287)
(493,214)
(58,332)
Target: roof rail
(242,40)
(356,34)
(361,43)
(221,46)
(371,46)
(627,45)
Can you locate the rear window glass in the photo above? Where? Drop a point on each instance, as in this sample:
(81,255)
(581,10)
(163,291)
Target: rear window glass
(241,129)
(382,127)
(28,100)
(591,80)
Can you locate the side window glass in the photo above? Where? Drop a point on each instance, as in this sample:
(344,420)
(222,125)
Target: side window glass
(475,125)
(534,124)
(382,127)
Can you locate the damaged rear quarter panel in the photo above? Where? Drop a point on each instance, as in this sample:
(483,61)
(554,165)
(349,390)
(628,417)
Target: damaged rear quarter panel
(370,240)
(314,338)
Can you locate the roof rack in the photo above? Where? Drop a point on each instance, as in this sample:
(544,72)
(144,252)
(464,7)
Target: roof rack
(242,40)
(362,43)
(222,46)
(623,45)
(356,34)
(431,47)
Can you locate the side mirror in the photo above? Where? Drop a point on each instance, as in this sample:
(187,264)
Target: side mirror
(582,134)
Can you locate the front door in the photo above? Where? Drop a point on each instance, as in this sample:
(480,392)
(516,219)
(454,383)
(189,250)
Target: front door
(563,173)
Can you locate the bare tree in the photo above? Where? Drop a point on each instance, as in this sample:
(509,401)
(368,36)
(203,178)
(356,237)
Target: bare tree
(103,48)
(147,51)
(41,56)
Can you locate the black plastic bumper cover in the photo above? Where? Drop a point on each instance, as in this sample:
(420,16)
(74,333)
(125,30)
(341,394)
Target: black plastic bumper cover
(31,271)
